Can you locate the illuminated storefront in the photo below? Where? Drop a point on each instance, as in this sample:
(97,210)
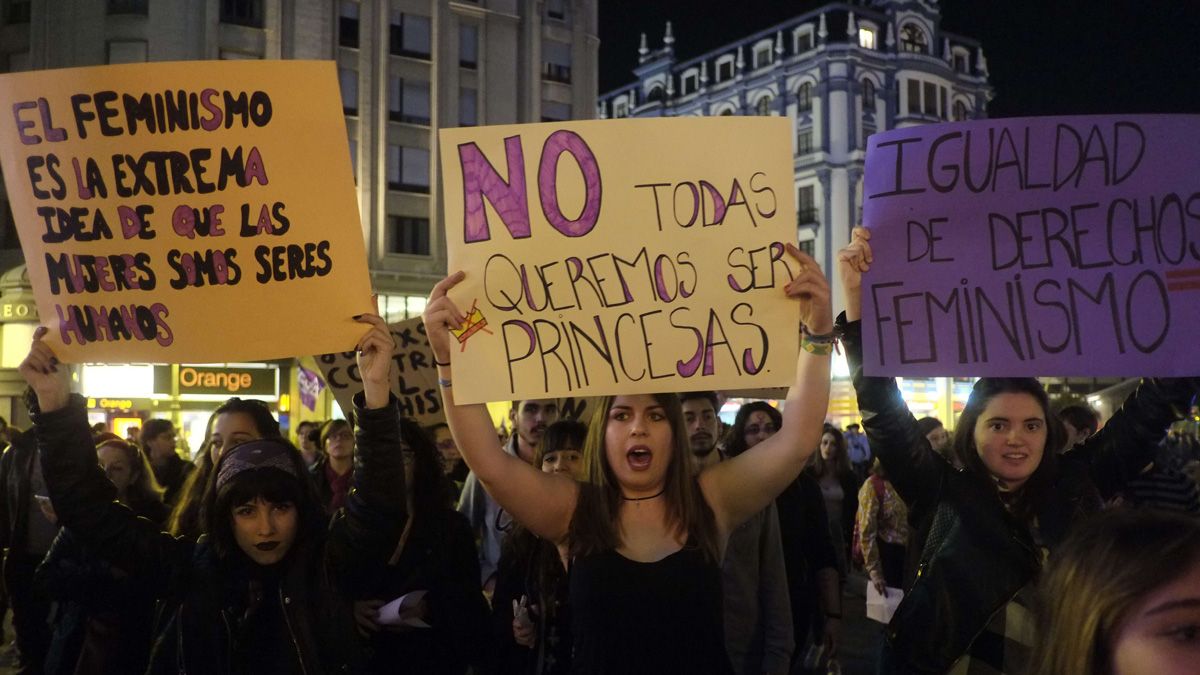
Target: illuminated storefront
(126,395)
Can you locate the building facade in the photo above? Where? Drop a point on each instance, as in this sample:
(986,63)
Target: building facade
(406,69)
(840,73)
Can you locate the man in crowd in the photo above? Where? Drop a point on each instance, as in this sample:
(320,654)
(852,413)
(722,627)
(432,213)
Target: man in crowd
(1080,422)
(858,450)
(171,470)
(758,616)
(528,419)
(308,439)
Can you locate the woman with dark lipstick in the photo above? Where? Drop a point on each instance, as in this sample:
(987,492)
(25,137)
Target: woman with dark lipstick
(646,533)
(262,591)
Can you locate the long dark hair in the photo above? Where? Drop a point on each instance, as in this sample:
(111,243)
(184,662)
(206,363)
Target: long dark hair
(594,526)
(735,439)
(841,460)
(1031,494)
(271,484)
(430,491)
(184,520)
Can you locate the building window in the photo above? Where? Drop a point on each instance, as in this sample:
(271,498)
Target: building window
(728,112)
(129,7)
(763,107)
(127,51)
(914,98)
(804,98)
(762,56)
(657,93)
(724,71)
(943,109)
(912,39)
(410,35)
(866,38)
(348,81)
(348,25)
(556,61)
(553,111)
(962,63)
(620,109)
(18,12)
(689,84)
(806,206)
(868,95)
(468,45)
(960,111)
(468,107)
(931,99)
(804,142)
(407,168)
(408,101)
(242,12)
(556,10)
(408,235)
(804,41)
(354,160)
(809,246)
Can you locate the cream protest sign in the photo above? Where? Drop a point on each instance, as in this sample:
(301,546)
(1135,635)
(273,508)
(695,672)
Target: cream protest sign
(186,212)
(413,376)
(621,256)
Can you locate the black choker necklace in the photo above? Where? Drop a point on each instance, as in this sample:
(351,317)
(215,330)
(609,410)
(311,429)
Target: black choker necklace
(642,499)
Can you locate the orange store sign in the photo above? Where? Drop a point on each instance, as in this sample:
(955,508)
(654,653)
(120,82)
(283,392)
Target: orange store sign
(216,380)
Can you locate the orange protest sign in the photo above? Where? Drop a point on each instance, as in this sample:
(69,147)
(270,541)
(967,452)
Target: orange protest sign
(186,212)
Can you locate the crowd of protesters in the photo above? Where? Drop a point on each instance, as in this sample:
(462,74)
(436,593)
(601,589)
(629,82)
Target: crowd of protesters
(650,537)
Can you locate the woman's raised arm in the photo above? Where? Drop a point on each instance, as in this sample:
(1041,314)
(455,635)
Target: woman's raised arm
(542,502)
(738,488)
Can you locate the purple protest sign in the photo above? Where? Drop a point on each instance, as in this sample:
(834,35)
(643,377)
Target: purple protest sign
(1064,246)
(310,387)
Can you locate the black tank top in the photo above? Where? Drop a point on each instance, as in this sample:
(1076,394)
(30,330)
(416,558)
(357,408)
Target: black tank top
(663,617)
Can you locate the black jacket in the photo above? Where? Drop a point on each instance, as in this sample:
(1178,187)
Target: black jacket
(16,466)
(977,555)
(439,557)
(89,590)
(203,596)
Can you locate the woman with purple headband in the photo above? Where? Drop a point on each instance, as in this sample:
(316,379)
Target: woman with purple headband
(262,591)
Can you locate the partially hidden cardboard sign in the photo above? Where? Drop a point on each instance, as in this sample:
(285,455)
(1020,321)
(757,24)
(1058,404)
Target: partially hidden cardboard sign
(413,376)
(1065,246)
(621,256)
(186,212)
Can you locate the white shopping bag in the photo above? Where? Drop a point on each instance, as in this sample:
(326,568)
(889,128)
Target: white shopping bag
(880,608)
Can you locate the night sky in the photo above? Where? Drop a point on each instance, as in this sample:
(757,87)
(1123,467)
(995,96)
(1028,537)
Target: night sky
(1045,57)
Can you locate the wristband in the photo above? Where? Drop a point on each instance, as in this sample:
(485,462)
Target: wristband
(820,338)
(816,348)
(442,382)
